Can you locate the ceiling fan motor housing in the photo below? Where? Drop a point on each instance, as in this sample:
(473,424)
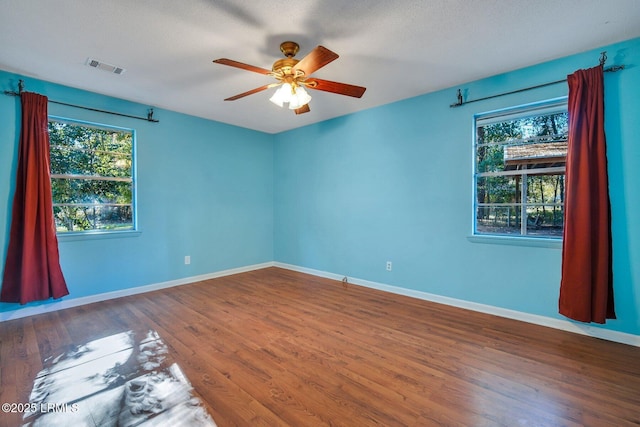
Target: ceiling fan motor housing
(284,65)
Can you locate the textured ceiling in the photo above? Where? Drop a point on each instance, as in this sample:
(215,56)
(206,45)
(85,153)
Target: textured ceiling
(395,48)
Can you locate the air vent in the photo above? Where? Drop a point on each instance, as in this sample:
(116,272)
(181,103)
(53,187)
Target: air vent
(104,66)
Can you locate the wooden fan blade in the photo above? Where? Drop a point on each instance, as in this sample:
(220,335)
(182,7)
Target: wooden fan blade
(316,59)
(336,87)
(304,109)
(241,65)
(252,91)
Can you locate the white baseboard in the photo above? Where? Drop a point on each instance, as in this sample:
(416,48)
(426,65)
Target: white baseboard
(561,324)
(565,325)
(75,302)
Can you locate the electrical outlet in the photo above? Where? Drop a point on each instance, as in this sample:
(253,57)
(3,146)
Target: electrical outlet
(187,259)
(389,265)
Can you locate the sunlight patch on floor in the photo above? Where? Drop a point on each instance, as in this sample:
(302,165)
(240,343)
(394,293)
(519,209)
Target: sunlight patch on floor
(121,380)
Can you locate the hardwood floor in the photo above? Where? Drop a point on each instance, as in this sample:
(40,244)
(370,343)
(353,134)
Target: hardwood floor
(279,348)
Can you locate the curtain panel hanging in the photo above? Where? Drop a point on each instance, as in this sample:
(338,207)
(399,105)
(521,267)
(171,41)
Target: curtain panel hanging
(586,287)
(32,268)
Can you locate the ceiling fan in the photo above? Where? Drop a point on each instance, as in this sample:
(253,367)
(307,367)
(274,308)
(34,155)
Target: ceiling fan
(294,75)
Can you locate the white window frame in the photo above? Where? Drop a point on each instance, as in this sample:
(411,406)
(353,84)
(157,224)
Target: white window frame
(127,232)
(556,105)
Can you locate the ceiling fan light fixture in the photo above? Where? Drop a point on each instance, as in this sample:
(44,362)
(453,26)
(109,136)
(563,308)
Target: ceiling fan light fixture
(294,95)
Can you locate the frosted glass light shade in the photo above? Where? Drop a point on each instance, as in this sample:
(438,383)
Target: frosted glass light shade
(299,98)
(282,95)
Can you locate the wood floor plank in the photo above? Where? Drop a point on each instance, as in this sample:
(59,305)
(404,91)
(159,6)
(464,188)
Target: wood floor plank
(275,347)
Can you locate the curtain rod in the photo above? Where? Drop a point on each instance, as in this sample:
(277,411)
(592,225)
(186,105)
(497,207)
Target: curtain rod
(149,117)
(603,59)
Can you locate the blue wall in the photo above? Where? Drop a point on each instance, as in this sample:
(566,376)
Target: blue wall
(343,196)
(395,183)
(205,189)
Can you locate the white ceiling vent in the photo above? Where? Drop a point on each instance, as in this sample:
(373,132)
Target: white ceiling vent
(104,67)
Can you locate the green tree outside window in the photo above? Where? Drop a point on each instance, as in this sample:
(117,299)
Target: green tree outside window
(91,177)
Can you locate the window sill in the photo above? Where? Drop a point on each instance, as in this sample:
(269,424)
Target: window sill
(539,242)
(97,235)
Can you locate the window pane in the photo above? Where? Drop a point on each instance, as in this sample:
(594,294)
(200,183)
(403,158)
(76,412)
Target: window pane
(90,191)
(525,129)
(86,150)
(545,189)
(83,218)
(498,220)
(545,220)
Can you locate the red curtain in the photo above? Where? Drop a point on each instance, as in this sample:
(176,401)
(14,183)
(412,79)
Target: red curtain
(586,287)
(32,268)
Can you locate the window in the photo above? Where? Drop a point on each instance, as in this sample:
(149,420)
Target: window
(92,177)
(519,171)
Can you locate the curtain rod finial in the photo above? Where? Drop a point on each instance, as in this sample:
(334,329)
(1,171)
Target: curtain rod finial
(603,58)
(460,99)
